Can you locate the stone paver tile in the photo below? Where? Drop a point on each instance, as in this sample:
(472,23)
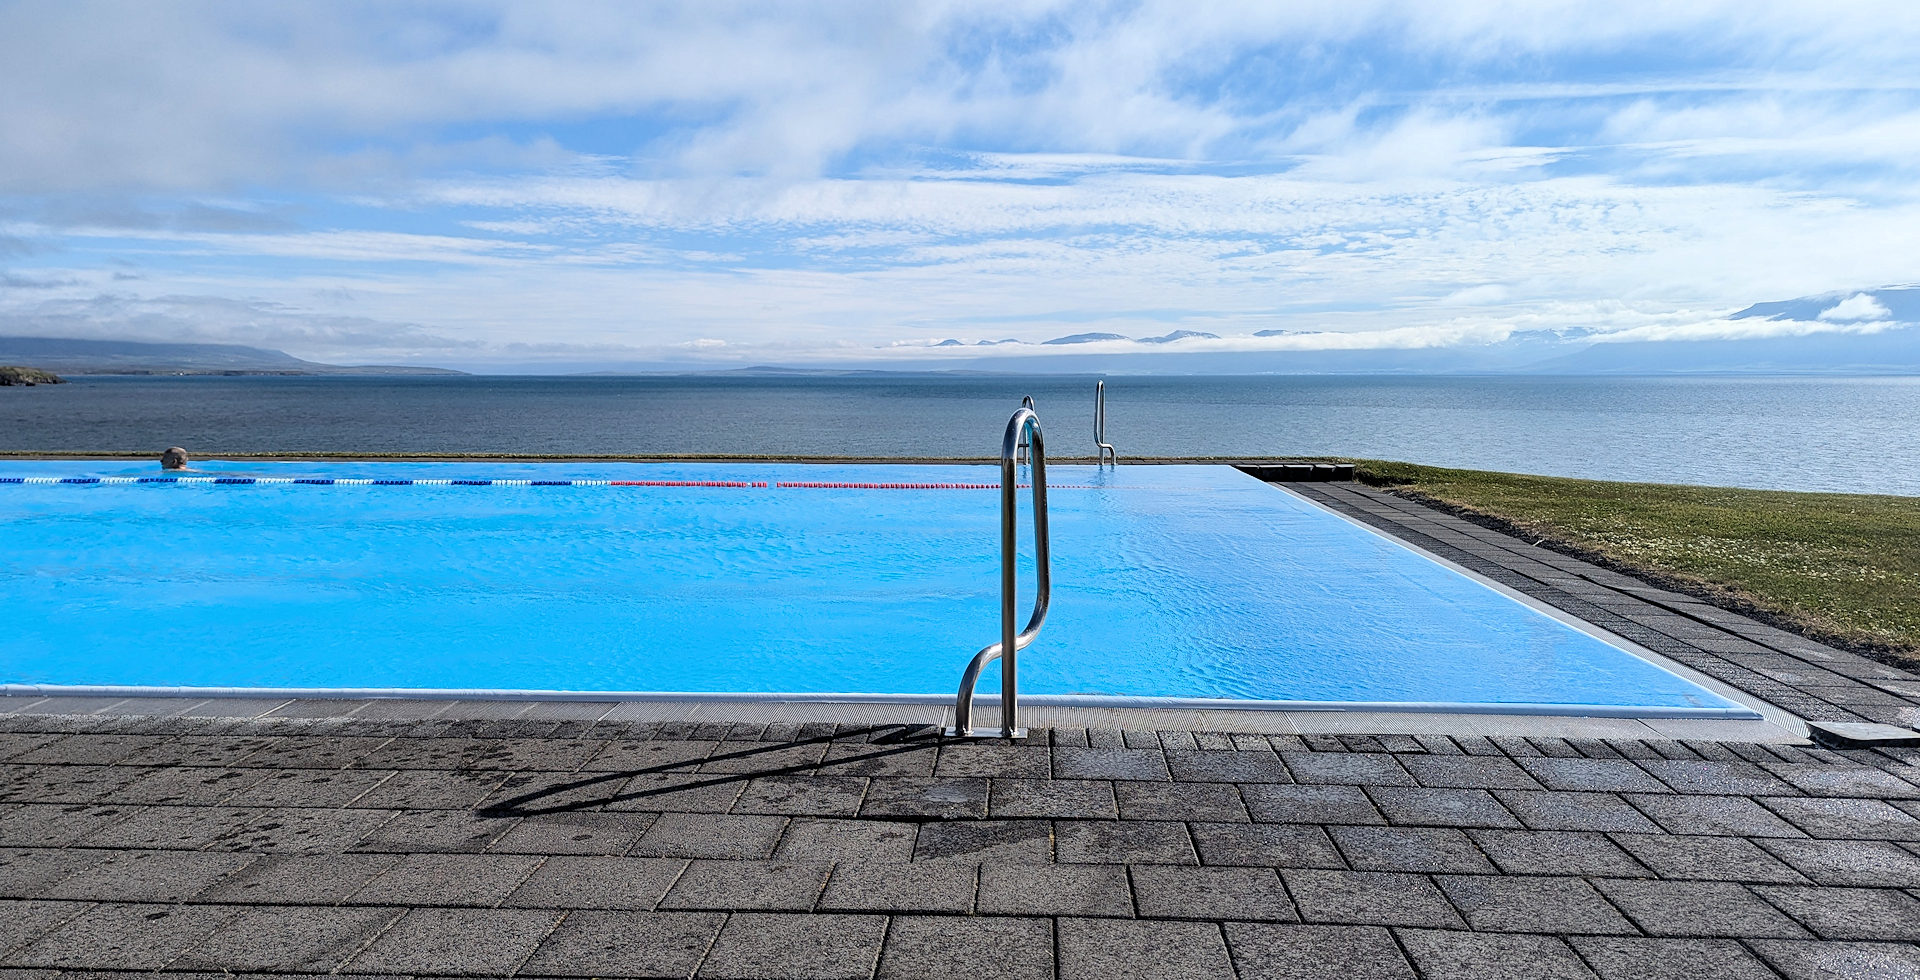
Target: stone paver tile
(189,786)
(1850,862)
(801,947)
(1731,816)
(1121,842)
(810,796)
(1495,903)
(1592,775)
(1707,858)
(1208,766)
(863,759)
(1575,811)
(465,942)
(1556,852)
(308,787)
(1067,889)
(300,879)
(705,835)
(302,939)
(418,789)
(979,841)
(1266,845)
(1166,891)
(63,784)
(885,887)
(187,828)
(994,759)
(1881,914)
(23,922)
(83,749)
(433,832)
(651,755)
(1218,802)
(307,830)
(765,758)
(1846,818)
(123,937)
(524,794)
(677,792)
(1423,806)
(1670,959)
(1347,768)
(1054,798)
(941,799)
(1309,804)
(313,752)
(1273,952)
(924,947)
(1700,909)
(625,944)
(29,872)
(847,840)
(1454,956)
(1821,779)
(59,825)
(1369,898)
(1078,763)
(571,882)
(574,833)
(1467,772)
(1854,961)
(1715,778)
(1422,849)
(448,879)
(1129,949)
(761,885)
(148,876)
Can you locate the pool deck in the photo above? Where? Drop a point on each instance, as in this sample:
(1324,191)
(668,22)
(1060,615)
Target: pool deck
(649,839)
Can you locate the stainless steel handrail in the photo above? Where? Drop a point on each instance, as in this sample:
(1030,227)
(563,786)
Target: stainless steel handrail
(1020,455)
(1100,425)
(1024,425)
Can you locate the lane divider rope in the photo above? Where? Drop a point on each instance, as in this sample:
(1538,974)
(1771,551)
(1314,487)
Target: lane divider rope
(371,482)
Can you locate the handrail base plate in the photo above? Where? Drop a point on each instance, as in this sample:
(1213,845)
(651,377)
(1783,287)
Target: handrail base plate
(982,732)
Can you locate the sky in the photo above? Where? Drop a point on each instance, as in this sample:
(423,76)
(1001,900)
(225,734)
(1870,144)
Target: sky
(546,186)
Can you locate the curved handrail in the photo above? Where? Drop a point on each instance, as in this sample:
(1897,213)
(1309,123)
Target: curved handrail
(1020,454)
(1024,425)
(1102,450)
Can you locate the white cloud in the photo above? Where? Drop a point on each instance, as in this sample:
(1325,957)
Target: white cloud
(1859,306)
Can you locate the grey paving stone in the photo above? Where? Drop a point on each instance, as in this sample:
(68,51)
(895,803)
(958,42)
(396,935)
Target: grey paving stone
(299,879)
(1422,806)
(306,830)
(148,876)
(188,786)
(1670,959)
(1181,892)
(1732,816)
(1218,802)
(1067,889)
(847,840)
(863,759)
(414,789)
(1310,804)
(23,922)
(1266,845)
(625,944)
(979,841)
(307,787)
(1716,778)
(120,937)
(1699,909)
(1369,898)
(463,942)
(448,879)
(759,885)
(765,759)
(1575,811)
(1495,903)
(551,793)
(1090,763)
(1818,779)
(677,792)
(1849,862)
(1054,798)
(801,947)
(306,939)
(822,796)
(1592,775)
(1453,956)
(570,882)
(1203,766)
(1141,841)
(1846,818)
(1128,949)
(1421,849)
(937,798)
(1854,961)
(637,755)
(701,835)
(574,833)
(888,887)
(1881,914)
(1276,952)
(85,748)
(994,759)
(1707,858)
(1346,768)
(29,872)
(58,825)
(923,947)
(313,752)
(188,828)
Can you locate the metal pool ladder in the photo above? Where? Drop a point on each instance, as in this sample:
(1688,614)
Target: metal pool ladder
(1020,454)
(1023,427)
(1100,425)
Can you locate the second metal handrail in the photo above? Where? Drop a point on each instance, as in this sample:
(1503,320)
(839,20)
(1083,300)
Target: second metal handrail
(1020,451)
(1023,427)
(1100,425)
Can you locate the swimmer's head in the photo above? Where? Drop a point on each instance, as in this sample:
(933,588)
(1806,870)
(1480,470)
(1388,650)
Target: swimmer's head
(174,459)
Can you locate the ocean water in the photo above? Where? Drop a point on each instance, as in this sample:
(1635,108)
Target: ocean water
(1858,435)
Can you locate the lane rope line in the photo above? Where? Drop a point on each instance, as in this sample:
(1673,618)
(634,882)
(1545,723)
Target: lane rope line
(450,482)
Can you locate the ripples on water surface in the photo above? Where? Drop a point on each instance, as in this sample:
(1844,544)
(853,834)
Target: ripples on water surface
(1785,433)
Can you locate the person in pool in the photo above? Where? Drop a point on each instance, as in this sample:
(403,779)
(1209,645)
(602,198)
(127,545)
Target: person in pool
(174,458)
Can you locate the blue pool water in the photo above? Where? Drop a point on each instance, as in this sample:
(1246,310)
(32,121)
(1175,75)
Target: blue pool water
(1170,581)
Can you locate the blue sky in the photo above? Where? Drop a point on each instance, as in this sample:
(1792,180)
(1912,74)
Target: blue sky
(509,186)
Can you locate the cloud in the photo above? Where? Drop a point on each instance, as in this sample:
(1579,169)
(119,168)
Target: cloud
(1859,306)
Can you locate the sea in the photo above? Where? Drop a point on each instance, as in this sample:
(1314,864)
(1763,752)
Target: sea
(1837,434)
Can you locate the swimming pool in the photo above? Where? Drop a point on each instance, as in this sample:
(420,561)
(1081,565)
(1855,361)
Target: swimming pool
(1190,583)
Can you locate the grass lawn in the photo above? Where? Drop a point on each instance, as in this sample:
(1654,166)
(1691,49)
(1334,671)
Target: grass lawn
(1838,567)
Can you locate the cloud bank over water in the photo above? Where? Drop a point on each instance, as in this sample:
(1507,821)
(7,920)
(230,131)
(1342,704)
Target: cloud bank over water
(519,186)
